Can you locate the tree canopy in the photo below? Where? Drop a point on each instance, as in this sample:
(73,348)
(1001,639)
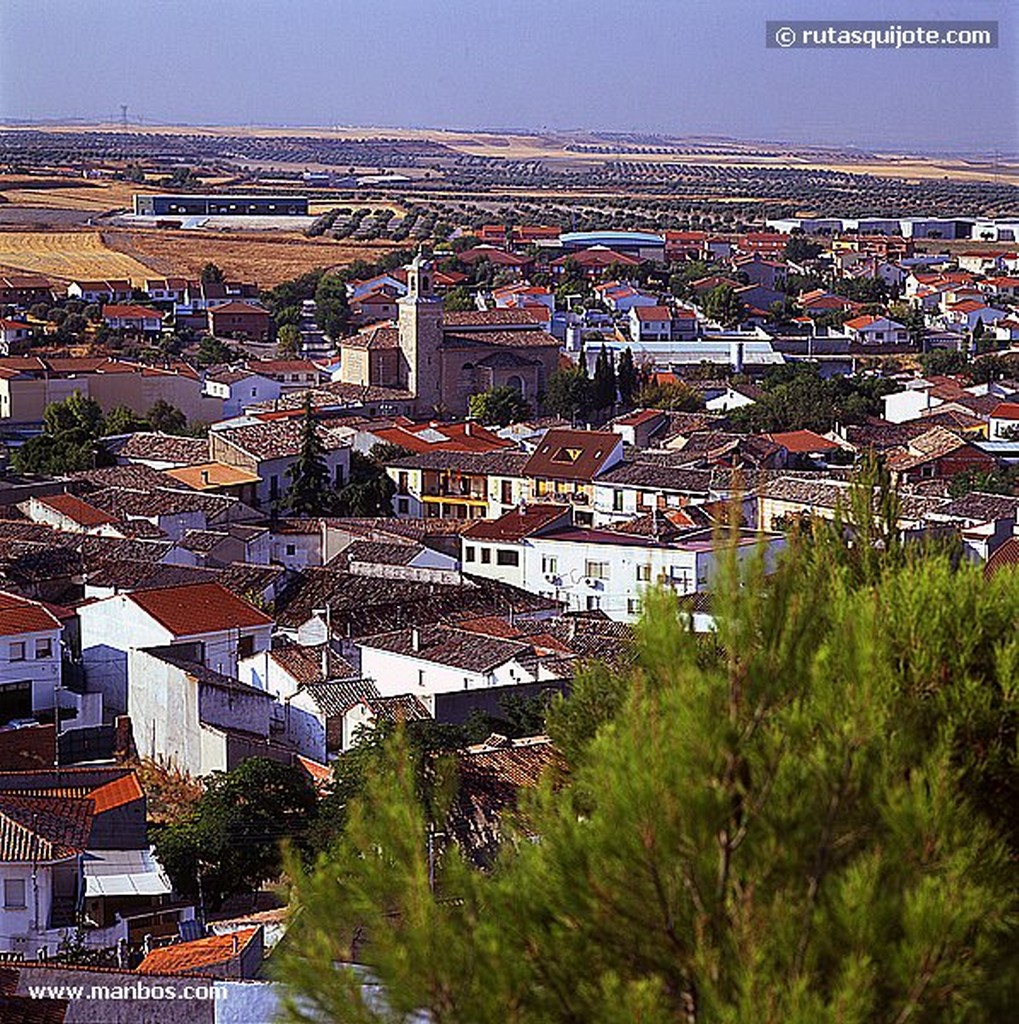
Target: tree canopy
(229,842)
(807,816)
(568,392)
(499,406)
(332,313)
(310,491)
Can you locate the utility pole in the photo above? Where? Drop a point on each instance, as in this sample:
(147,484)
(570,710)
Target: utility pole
(123,117)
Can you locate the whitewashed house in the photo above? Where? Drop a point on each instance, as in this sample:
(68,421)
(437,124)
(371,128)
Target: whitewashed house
(30,658)
(215,627)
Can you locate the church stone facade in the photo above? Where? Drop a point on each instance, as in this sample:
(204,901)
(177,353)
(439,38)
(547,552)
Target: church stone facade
(444,358)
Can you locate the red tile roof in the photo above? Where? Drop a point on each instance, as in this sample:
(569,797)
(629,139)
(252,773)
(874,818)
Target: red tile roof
(185,957)
(20,615)
(43,828)
(572,454)
(78,511)
(198,608)
(653,312)
(1005,411)
(802,442)
(456,437)
(519,523)
(239,307)
(131,313)
(124,790)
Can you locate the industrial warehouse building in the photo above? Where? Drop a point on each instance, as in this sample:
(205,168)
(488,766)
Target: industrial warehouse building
(220,206)
(640,244)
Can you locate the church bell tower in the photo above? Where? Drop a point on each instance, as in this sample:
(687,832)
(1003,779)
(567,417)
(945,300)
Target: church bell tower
(420,324)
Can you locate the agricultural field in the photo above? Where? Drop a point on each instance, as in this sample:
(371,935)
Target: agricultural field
(65,255)
(96,196)
(251,257)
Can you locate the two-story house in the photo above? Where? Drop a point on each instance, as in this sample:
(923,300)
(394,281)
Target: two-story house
(210,623)
(269,449)
(30,659)
(240,388)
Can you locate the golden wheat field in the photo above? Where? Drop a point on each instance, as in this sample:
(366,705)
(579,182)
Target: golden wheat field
(70,194)
(260,257)
(67,255)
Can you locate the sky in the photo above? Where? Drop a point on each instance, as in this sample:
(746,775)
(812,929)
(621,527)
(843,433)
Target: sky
(679,67)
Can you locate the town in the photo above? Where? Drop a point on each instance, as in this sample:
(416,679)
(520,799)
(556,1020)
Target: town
(524,576)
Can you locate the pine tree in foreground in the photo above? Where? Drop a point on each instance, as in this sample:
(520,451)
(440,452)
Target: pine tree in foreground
(802,818)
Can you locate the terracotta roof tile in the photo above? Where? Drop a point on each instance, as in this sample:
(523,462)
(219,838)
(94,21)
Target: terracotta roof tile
(199,608)
(21,615)
(185,957)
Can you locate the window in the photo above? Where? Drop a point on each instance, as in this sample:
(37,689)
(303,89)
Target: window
(617,501)
(597,570)
(402,482)
(506,492)
(274,487)
(246,646)
(402,506)
(291,549)
(486,556)
(469,553)
(18,650)
(593,603)
(507,556)
(14,892)
(633,606)
(44,648)
(549,563)
(643,573)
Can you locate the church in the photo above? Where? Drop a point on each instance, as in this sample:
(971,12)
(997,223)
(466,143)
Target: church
(443,358)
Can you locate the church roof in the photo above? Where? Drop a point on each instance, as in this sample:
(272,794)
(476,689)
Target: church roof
(526,338)
(376,338)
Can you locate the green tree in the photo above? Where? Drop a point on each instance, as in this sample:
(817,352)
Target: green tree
(230,841)
(288,341)
(944,360)
(211,274)
(310,492)
(626,377)
(332,312)
(603,387)
(167,418)
(800,248)
(673,395)
(67,444)
(725,306)
(569,393)
(214,352)
(122,420)
(499,407)
(458,298)
(76,412)
(789,820)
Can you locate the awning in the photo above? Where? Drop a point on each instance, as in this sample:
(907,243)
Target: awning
(124,873)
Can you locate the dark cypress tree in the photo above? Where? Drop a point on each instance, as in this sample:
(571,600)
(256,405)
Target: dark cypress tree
(626,378)
(604,381)
(310,493)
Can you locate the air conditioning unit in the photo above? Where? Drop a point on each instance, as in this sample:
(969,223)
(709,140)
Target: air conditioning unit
(553,579)
(593,582)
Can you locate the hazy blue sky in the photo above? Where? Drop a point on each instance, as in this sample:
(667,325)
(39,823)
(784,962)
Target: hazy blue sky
(676,66)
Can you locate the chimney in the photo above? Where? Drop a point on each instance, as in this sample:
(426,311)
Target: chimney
(415,639)
(235,944)
(205,477)
(467,429)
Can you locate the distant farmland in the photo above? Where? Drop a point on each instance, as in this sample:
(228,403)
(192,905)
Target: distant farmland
(67,255)
(266,260)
